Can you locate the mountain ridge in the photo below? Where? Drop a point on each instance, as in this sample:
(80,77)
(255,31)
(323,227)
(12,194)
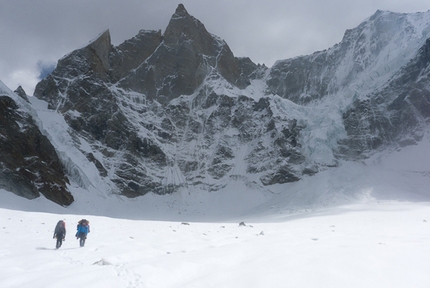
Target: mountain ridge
(163,112)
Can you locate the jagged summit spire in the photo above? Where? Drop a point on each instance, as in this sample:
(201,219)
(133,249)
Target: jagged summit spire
(21,93)
(101,47)
(180,10)
(184,26)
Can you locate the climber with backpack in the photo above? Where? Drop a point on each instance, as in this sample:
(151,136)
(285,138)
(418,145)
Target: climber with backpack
(83,228)
(60,233)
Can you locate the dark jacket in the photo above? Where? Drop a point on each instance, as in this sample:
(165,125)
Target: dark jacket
(60,230)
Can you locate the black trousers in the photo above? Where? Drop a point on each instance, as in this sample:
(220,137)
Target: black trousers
(59,240)
(82,238)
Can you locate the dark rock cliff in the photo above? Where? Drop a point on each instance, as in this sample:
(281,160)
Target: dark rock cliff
(29,163)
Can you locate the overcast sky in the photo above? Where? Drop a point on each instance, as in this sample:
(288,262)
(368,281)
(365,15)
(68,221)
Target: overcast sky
(35,34)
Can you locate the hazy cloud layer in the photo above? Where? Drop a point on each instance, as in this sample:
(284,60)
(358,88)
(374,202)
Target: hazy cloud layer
(35,34)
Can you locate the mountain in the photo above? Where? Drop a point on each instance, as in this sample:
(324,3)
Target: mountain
(29,163)
(168,111)
(376,77)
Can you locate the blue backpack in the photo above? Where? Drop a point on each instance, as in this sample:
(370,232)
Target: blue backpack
(83,227)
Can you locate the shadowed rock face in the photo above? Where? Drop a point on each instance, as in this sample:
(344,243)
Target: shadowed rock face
(29,163)
(186,56)
(21,93)
(132,53)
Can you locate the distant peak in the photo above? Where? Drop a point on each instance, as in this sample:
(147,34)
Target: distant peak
(181,10)
(104,36)
(101,46)
(20,92)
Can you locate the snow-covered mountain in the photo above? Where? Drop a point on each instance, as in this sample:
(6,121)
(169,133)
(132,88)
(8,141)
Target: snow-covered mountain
(164,112)
(372,88)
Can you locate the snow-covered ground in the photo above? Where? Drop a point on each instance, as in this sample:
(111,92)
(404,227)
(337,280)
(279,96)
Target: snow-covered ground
(370,228)
(382,244)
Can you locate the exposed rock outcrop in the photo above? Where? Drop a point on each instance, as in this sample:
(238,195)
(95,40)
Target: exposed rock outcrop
(21,93)
(29,163)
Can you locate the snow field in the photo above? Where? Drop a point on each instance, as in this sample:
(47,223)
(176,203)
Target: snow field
(375,244)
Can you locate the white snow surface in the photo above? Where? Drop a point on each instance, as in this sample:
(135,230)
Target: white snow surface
(368,226)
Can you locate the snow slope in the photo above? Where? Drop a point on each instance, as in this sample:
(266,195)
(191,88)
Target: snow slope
(378,244)
(373,232)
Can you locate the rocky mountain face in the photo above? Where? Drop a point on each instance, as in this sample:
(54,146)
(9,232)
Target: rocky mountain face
(164,111)
(29,163)
(380,68)
(397,113)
